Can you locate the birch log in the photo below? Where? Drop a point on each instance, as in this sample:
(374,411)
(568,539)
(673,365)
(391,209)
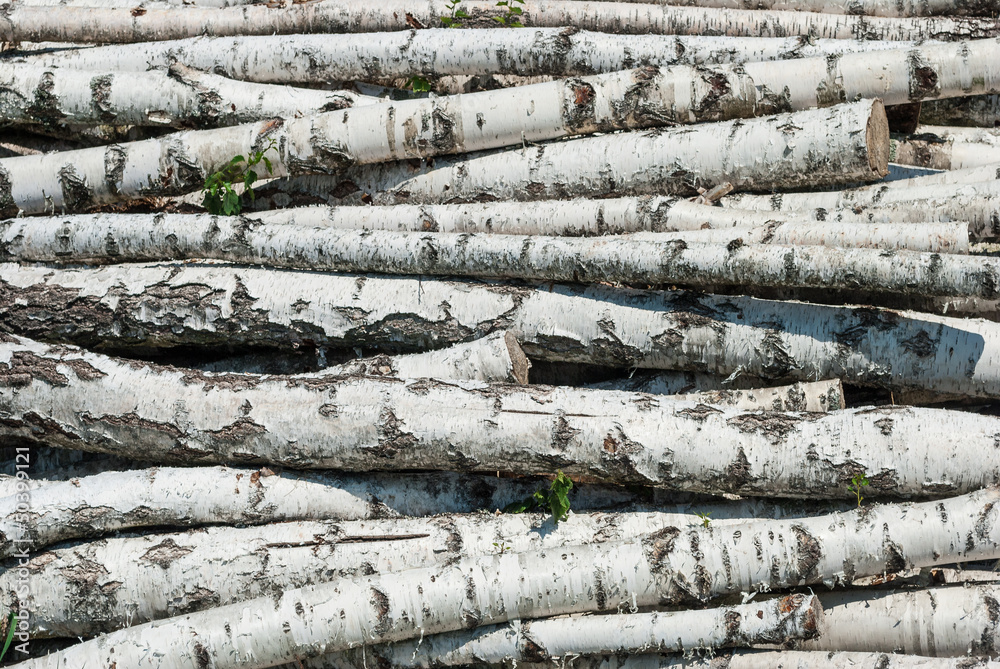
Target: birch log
(75,399)
(818,396)
(217,566)
(143,307)
(976,203)
(332,142)
(936,622)
(182,98)
(643,258)
(981,110)
(561,52)
(785,659)
(190,496)
(667,567)
(858,7)
(117,25)
(831,146)
(793,618)
(582,217)
(947,148)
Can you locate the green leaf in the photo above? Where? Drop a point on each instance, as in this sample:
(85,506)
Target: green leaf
(516,10)
(520,507)
(231,203)
(267,164)
(501,20)
(516,24)
(461,14)
(11,626)
(236,159)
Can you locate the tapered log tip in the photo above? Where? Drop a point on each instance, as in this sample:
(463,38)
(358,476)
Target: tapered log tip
(518,360)
(877,139)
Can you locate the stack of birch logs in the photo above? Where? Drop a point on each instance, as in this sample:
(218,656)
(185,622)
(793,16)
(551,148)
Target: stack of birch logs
(732,267)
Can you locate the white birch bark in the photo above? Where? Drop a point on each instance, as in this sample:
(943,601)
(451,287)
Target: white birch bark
(818,396)
(935,622)
(856,7)
(976,203)
(828,146)
(649,258)
(143,307)
(102,503)
(332,142)
(117,25)
(789,619)
(71,398)
(667,567)
(580,217)
(980,110)
(785,659)
(108,584)
(181,98)
(947,148)
(316,59)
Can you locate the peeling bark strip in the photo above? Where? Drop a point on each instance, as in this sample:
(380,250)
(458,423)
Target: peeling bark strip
(947,148)
(181,98)
(982,111)
(791,618)
(746,659)
(99,504)
(122,237)
(643,258)
(146,306)
(104,585)
(938,622)
(671,566)
(560,52)
(976,203)
(66,397)
(332,142)
(845,143)
(116,25)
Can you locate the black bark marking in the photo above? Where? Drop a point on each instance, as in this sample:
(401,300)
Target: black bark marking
(380,602)
(7,206)
(922,344)
(77,195)
(658,546)
(737,472)
(808,554)
(165,552)
(100,96)
(201,656)
(775,426)
(578,106)
(924,81)
(45,107)
(885,425)
(391,437)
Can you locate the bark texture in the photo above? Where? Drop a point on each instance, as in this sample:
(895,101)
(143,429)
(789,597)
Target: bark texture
(976,203)
(982,111)
(120,237)
(670,566)
(818,396)
(109,584)
(842,144)
(642,258)
(526,52)
(785,659)
(782,620)
(946,148)
(847,143)
(141,307)
(180,98)
(857,7)
(116,25)
(936,622)
(102,503)
(81,400)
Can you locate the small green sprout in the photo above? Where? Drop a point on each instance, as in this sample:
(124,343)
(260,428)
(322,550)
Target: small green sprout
(501,547)
(513,11)
(457,14)
(858,482)
(419,85)
(555,499)
(705,520)
(220,196)
(11,626)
